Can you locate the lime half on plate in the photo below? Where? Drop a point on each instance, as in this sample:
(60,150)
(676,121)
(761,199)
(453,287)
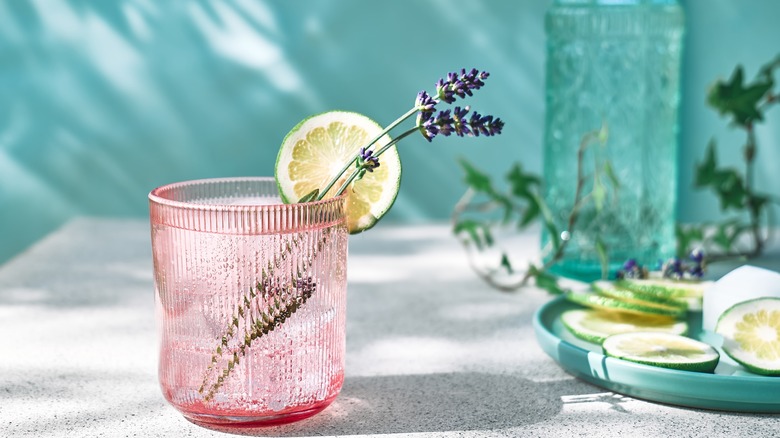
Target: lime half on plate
(315,150)
(751,334)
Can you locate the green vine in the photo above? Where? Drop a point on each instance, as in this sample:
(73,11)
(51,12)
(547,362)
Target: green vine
(744,103)
(474,217)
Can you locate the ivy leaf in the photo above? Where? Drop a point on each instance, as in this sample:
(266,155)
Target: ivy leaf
(532,211)
(705,172)
(506,203)
(728,184)
(730,189)
(506,264)
(523,185)
(475,179)
(545,280)
(686,236)
(526,187)
(738,100)
(477,232)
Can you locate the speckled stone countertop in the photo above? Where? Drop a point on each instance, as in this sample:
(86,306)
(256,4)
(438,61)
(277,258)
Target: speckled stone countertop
(431,351)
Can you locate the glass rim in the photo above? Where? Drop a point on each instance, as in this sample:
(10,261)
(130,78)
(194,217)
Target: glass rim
(244,219)
(156,196)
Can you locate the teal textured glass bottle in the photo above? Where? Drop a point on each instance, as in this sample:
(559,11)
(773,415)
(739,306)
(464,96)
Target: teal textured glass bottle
(613,62)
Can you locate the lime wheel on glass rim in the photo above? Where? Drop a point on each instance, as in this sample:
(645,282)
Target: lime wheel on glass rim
(314,152)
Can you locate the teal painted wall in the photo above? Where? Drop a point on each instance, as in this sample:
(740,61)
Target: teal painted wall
(102,101)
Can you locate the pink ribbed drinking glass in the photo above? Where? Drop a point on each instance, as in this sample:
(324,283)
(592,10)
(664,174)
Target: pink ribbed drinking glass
(250,301)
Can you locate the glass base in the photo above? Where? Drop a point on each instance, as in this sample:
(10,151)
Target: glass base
(217,421)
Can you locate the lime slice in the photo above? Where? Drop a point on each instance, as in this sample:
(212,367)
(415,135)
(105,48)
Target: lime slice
(751,334)
(315,150)
(662,350)
(601,302)
(665,287)
(596,325)
(609,289)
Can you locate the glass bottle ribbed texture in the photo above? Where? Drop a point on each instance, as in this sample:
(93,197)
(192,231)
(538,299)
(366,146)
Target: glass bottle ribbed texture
(617,63)
(250,300)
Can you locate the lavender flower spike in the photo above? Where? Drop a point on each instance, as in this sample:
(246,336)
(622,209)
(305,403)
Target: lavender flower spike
(460,85)
(456,121)
(426,104)
(487,125)
(367,160)
(697,270)
(673,269)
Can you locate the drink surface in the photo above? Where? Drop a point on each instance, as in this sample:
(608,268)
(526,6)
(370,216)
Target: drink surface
(211,289)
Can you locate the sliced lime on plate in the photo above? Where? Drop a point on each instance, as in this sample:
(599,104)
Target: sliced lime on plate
(685,292)
(751,334)
(665,287)
(662,350)
(596,301)
(596,325)
(609,289)
(315,150)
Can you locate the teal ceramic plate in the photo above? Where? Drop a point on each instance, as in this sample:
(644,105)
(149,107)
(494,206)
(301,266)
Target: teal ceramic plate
(730,388)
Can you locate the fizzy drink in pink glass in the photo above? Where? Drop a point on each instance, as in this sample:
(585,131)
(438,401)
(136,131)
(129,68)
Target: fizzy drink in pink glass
(250,300)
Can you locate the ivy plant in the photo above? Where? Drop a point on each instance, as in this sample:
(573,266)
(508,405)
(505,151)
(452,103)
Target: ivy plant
(484,207)
(741,233)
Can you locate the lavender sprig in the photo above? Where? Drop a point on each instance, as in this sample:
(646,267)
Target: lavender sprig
(447,123)
(428,123)
(460,85)
(283,299)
